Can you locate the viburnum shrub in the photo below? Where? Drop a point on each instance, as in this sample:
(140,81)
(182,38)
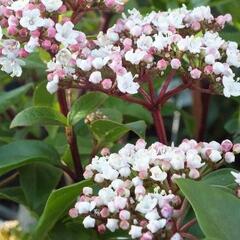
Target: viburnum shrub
(143,189)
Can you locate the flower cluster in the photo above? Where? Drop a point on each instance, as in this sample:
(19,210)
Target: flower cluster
(30,24)
(138,192)
(185,41)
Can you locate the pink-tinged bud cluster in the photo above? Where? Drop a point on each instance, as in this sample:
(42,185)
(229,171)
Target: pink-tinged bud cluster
(156,43)
(137,185)
(33,24)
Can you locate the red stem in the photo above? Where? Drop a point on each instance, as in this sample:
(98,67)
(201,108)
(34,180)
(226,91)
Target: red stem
(189,236)
(159,125)
(70,135)
(166,83)
(188,225)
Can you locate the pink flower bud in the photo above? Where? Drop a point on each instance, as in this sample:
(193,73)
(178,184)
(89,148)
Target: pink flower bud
(62,9)
(196,26)
(136,31)
(107,84)
(104,212)
(35,33)
(109,3)
(73,213)
(12,30)
(162,64)
(226,145)
(140,144)
(88,174)
(124,215)
(124,225)
(175,63)
(221,20)
(51,32)
(54,48)
(194,174)
(23,32)
(147,236)
(143,223)
(127,43)
(105,151)
(23,53)
(229,157)
(143,174)
(228,17)
(140,190)
(46,44)
(208,69)
(101,228)
(195,73)
(236,148)
(167,211)
(147,29)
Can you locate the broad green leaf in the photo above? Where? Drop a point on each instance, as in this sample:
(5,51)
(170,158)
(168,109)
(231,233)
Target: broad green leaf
(42,97)
(43,179)
(221,177)
(7,99)
(14,194)
(58,203)
(38,116)
(86,104)
(106,131)
(20,153)
(217,211)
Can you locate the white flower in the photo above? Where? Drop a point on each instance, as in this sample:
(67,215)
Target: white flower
(10,48)
(95,77)
(161,41)
(144,42)
(84,207)
(31,44)
(231,87)
(177,160)
(194,161)
(195,45)
(52,5)
(89,222)
(31,19)
(112,224)
(135,231)
(12,66)
(116,161)
(65,34)
(87,191)
(64,57)
(153,215)
(109,173)
(147,204)
(215,156)
(99,63)
(237,177)
(158,174)
(52,86)
(106,195)
(84,65)
(218,68)
(135,57)
(155,225)
(18,5)
(176,236)
(126,84)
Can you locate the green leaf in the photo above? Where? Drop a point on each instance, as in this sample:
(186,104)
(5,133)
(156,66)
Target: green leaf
(57,205)
(106,131)
(43,179)
(221,177)
(39,116)
(42,97)
(20,153)
(7,99)
(86,104)
(217,211)
(14,194)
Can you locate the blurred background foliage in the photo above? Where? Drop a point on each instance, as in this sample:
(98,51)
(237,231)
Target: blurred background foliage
(117,121)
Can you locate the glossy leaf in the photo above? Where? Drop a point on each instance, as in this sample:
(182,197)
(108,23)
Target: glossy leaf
(14,194)
(58,203)
(20,153)
(7,99)
(38,116)
(217,210)
(43,179)
(86,104)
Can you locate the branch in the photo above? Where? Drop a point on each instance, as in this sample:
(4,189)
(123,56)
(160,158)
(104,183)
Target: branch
(70,135)
(189,224)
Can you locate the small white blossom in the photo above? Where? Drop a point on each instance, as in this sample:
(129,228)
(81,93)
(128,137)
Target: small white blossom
(52,5)
(31,19)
